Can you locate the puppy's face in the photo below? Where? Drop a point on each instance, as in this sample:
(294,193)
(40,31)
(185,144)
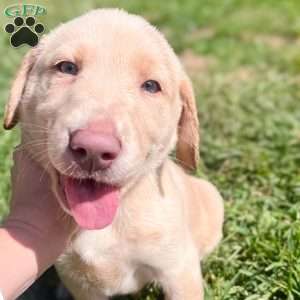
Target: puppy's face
(99,101)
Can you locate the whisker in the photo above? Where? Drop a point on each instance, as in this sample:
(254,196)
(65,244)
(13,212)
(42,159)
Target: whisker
(33,124)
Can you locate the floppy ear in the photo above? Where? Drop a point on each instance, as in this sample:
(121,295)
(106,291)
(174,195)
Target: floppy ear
(16,92)
(187,149)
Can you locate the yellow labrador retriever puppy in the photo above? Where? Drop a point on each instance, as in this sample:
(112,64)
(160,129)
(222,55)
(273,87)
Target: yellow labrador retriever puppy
(102,101)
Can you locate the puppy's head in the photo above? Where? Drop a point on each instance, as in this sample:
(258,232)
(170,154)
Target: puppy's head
(103,100)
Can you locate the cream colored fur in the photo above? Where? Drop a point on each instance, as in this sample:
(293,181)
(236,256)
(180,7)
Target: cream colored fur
(167,220)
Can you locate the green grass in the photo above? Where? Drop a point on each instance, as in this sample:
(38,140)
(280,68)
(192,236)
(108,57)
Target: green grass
(248,91)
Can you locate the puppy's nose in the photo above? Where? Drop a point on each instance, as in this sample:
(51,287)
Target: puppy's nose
(94,150)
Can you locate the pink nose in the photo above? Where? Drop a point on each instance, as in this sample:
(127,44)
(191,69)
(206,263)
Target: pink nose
(94,150)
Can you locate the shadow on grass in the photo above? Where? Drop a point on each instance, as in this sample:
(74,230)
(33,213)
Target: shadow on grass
(47,287)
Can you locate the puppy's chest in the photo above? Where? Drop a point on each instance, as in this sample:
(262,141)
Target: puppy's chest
(106,264)
(125,256)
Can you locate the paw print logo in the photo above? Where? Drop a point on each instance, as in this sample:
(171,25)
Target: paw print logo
(24,32)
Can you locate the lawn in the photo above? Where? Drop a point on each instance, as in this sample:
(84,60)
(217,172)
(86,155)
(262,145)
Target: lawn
(244,59)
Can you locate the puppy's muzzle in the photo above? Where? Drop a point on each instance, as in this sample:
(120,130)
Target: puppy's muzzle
(96,147)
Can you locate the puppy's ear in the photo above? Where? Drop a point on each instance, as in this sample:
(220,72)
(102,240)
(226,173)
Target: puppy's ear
(17,89)
(187,149)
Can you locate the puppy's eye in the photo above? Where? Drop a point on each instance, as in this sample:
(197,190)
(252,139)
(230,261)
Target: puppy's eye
(151,86)
(67,67)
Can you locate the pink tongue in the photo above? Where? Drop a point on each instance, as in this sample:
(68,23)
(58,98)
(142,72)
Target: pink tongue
(93,205)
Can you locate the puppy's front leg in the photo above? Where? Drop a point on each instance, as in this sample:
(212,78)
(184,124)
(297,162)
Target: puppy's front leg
(89,297)
(185,284)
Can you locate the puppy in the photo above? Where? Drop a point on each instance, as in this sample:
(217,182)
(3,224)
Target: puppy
(102,101)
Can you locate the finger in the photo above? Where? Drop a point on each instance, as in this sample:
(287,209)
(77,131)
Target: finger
(18,157)
(26,174)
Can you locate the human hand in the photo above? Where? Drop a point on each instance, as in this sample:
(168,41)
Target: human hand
(36,231)
(35,213)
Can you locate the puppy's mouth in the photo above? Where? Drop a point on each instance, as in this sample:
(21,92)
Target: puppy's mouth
(92,204)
